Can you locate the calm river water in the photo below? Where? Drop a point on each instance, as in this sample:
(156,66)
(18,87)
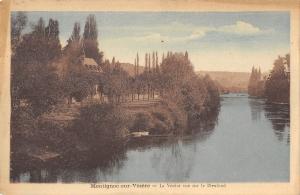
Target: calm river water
(249,142)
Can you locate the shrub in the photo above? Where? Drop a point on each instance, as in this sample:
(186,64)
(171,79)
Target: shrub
(142,121)
(23,124)
(101,124)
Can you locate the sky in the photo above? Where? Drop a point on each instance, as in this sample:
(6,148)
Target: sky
(215,41)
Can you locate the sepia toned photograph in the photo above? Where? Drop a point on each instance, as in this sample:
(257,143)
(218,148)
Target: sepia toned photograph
(149,96)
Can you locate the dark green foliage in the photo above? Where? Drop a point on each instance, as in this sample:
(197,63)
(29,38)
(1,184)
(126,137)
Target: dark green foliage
(175,69)
(142,122)
(90,28)
(18,23)
(212,100)
(79,85)
(75,37)
(115,82)
(101,124)
(77,82)
(186,98)
(256,83)
(193,94)
(90,41)
(33,75)
(172,114)
(23,124)
(277,87)
(165,118)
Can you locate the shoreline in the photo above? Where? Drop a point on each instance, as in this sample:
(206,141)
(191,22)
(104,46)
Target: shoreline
(75,156)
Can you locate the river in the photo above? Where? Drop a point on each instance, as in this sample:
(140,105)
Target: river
(249,142)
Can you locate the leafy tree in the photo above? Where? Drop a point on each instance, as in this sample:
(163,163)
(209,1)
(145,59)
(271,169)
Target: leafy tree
(197,96)
(137,63)
(75,36)
(18,23)
(175,69)
(212,100)
(34,78)
(156,63)
(256,84)
(80,85)
(277,84)
(287,61)
(78,82)
(100,125)
(186,55)
(116,82)
(146,62)
(90,36)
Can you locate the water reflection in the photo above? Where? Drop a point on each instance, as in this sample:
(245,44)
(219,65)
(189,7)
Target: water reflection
(256,106)
(243,140)
(174,158)
(279,115)
(171,159)
(90,166)
(175,164)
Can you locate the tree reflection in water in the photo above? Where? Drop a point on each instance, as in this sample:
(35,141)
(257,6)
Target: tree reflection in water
(91,166)
(279,115)
(175,157)
(256,106)
(171,159)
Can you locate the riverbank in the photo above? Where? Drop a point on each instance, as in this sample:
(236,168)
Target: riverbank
(184,104)
(241,128)
(270,101)
(57,137)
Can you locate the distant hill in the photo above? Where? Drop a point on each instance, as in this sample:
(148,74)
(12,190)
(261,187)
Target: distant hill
(230,81)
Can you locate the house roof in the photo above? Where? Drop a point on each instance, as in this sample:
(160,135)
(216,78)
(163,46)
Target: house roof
(92,65)
(89,61)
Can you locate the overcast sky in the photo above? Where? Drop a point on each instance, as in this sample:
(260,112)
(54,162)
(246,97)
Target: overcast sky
(218,41)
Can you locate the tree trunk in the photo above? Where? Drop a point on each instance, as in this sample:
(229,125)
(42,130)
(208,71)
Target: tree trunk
(69,99)
(148,92)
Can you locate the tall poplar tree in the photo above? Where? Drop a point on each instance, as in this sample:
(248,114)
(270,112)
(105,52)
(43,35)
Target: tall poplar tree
(137,63)
(146,62)
(90,40)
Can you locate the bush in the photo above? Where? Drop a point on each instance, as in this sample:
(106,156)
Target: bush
(23,125)
(165,118)
(177,115)
(101,124)
(54,136)
(142,121)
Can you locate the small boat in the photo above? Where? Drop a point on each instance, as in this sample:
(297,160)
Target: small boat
(139,133)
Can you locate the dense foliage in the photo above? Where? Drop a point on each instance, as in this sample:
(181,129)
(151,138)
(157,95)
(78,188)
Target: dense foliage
(90,42)
(256,83)
(33,76)
(101,123)
(278,82)
(195,95)
(276,87)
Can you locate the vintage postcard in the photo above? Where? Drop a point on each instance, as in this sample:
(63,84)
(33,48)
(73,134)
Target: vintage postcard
(150,97)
